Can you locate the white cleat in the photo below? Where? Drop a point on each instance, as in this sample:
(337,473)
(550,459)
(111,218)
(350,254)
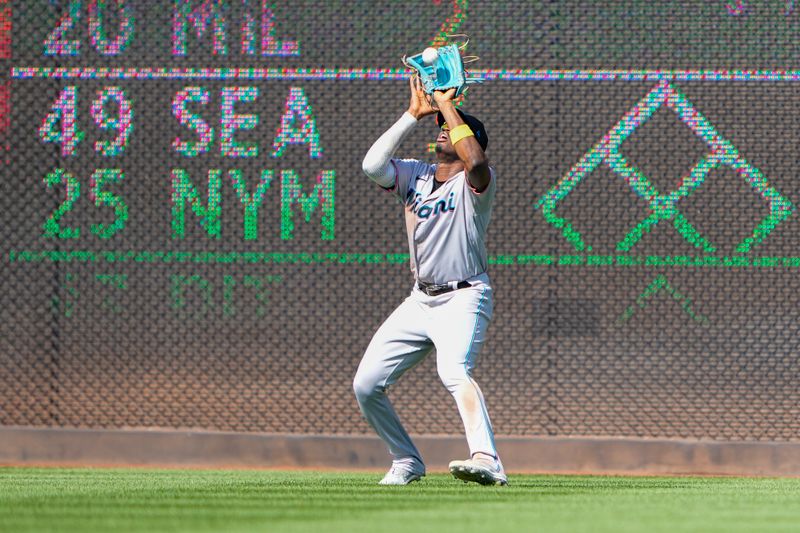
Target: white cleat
(398,475)
(483,471)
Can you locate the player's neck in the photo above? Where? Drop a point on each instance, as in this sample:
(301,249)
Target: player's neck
(446,169)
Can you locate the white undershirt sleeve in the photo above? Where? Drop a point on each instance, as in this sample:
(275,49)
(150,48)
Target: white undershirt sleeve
(377,163)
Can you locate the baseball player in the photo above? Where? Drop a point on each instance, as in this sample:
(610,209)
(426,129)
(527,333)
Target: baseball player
(447,210)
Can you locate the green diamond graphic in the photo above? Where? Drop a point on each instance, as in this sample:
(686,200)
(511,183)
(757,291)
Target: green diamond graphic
(659,285)
(662,206)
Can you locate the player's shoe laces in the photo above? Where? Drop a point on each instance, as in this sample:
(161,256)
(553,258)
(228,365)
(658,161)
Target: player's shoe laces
(483,471)
(398,475)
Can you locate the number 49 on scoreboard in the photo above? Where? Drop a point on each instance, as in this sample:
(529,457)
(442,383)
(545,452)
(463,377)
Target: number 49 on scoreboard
(60,126)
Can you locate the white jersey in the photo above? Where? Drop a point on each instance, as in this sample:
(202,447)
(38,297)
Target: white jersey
(446,227)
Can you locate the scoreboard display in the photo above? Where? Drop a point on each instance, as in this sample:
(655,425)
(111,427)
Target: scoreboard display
(188,240)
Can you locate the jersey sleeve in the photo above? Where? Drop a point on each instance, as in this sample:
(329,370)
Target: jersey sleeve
(405,171)
(482,201)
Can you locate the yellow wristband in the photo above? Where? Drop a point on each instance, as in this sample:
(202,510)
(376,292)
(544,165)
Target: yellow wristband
(460,132)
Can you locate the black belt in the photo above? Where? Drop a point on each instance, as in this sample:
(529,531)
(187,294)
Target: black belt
(435,290)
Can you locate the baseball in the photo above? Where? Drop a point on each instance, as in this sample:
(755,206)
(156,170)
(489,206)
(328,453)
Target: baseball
(430,55)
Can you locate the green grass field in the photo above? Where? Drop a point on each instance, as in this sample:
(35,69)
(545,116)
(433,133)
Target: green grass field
(119,500)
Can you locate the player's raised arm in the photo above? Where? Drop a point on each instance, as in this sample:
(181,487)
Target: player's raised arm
(377,163)
(467,147)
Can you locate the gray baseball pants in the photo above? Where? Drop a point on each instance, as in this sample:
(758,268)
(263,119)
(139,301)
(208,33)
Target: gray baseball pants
(455,325)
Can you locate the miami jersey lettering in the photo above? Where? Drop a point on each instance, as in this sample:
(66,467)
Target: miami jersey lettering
(414,202)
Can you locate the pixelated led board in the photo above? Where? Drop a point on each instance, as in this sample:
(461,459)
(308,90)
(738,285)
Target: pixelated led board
(181,179)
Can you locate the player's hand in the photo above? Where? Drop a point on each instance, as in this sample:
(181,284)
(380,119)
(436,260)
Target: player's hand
(442,98)
(420,104)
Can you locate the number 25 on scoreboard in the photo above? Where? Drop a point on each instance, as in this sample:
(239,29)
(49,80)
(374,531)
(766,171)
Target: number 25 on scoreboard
(99,179)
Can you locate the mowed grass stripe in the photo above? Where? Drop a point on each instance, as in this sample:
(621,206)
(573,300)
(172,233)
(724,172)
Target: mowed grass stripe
(122,500)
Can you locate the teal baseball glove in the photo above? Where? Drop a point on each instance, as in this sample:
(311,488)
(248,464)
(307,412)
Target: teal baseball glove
(442,68)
